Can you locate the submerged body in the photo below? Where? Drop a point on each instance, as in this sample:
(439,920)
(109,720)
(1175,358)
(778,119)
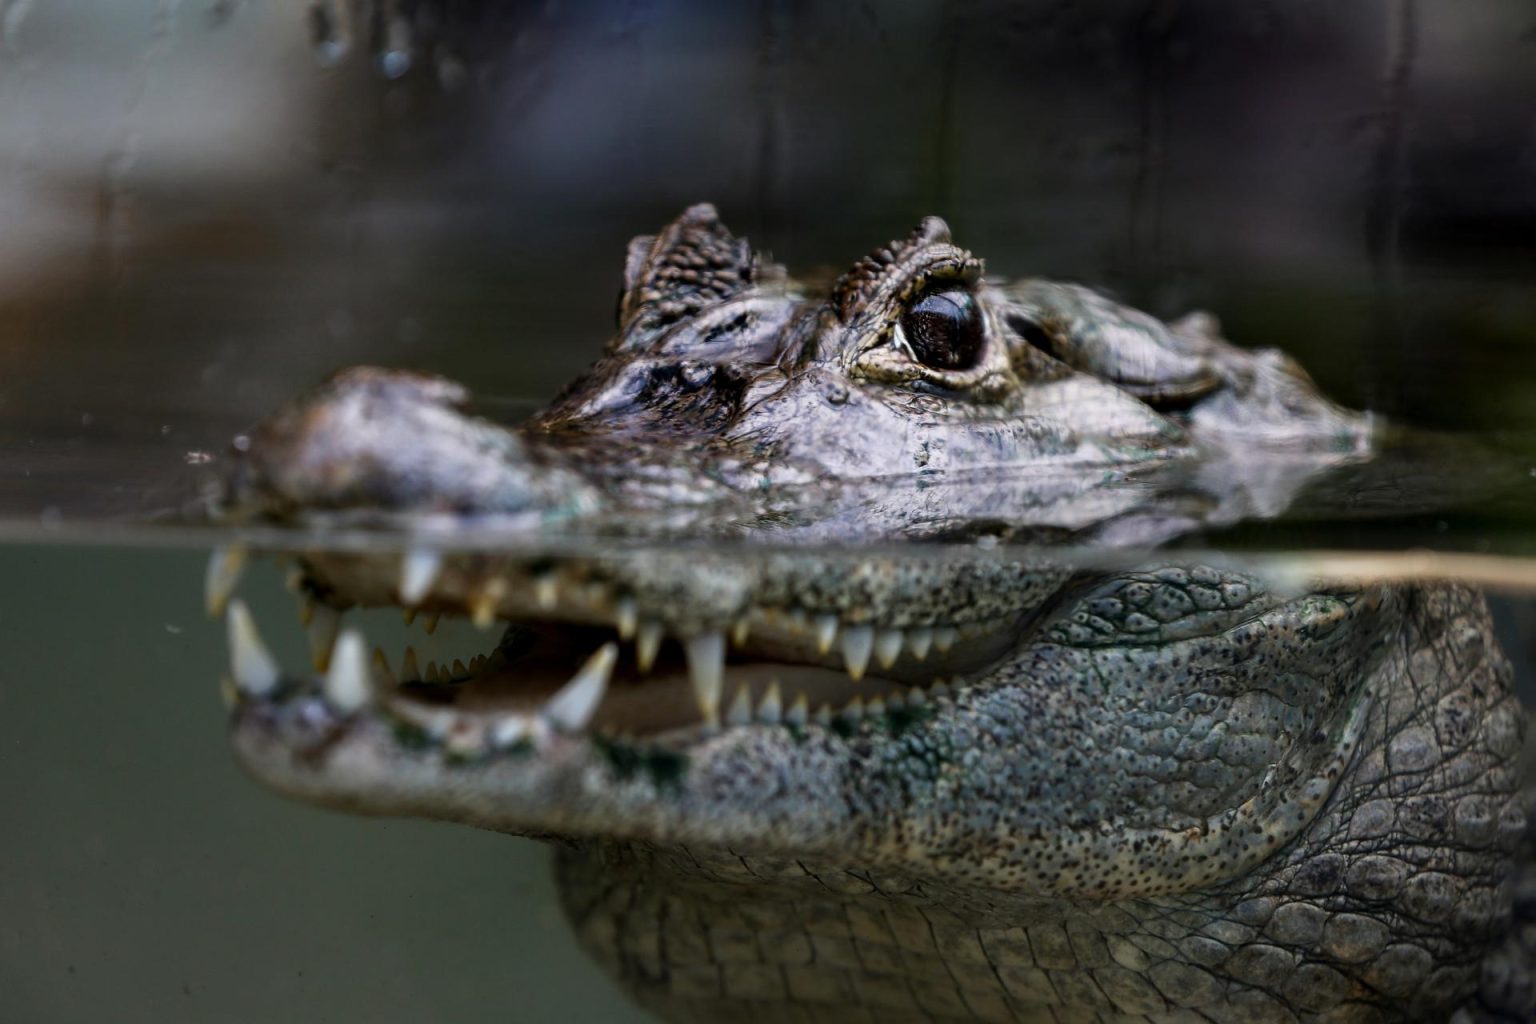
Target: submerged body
(871,752)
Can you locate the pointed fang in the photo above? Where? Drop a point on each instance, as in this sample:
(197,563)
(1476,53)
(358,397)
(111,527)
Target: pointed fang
(647,644)
(826,632)
(706,668)
(858,642)
(418,571)
(225,567)
(573,707)
(740,711)
(348,685)
(254,669)
(771,709)
(888,646)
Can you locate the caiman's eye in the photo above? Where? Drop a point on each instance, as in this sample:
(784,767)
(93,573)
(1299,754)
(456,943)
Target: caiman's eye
(943,329)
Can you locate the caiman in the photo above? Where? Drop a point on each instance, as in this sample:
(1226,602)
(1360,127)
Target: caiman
(781,662)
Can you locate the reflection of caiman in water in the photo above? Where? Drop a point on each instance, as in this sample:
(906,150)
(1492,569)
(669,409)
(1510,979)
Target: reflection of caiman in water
(791,778)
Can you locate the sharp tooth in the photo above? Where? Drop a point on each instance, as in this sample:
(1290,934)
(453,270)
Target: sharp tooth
(410,670)
(944,638)
(460,670)
(888,646)
(858,641)
(740,630)
(466,737)
(647,643)
(348,687)
(573,707)
(740,711)
(225,567)
(916,697)
(293,579)
(854,710)
(823,716)
(477,663)
(875,707)
(512,730)
(939,689)
(798,712)
(826,632)
(255,670)
(920,640)
(306,611)
(482,606)
(431,624)
(408,615)
(430,675)
(626,616)
(323,627)
(546,591)
(706,668)
(418,571)
(772,707)
(381,667)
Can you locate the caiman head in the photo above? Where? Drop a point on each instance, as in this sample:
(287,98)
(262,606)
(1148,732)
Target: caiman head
(758,580)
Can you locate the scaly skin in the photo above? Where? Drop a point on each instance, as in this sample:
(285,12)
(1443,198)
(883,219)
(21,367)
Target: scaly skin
(1175,793)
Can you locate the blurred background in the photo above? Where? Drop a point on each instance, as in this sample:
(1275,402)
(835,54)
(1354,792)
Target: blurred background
(207,205)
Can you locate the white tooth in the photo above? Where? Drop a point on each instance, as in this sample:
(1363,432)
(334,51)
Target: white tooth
(324,624)
(916,697)
(740,711)
(823,716)
(944,638)
(798,712)
(381,667)
(546,591)
(255,670)
(854,710)
(920,640)
(626,616)
(858,641)
(740,630)
(875,707)
(771,709)
(225,567)
(826,632)
(706,668)
(410,670)
(647,643)
(482,606)
(466,737)
(418,571)
(573,707)
(431,624)
(511,730)
(348,687)
(888,647)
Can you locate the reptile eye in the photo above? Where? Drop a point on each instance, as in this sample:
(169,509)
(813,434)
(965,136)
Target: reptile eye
(943,329)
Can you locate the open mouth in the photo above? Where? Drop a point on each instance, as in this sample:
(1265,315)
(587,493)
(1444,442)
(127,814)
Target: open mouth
(504,654)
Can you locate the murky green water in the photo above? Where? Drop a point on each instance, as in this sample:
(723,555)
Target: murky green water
(202,218)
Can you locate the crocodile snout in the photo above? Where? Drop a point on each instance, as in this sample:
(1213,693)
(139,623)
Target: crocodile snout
(392,442)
